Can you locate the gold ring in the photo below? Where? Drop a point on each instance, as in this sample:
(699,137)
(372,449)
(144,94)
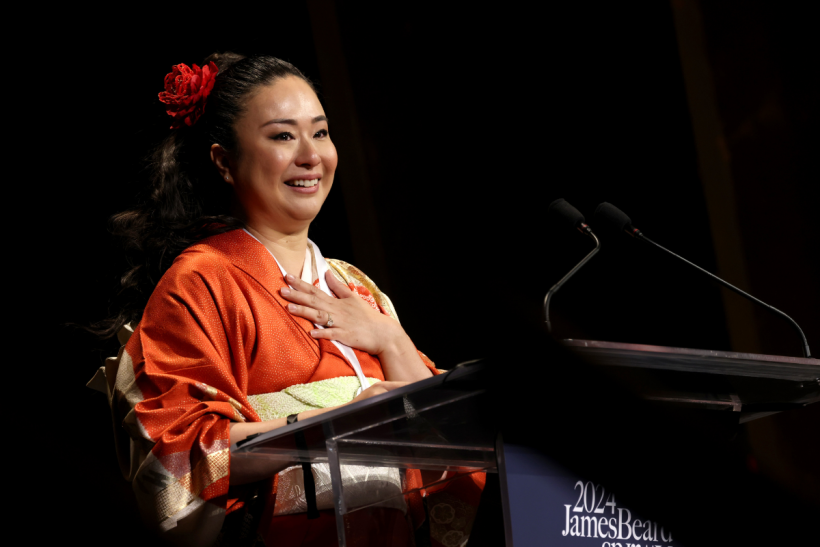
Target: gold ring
(329,321)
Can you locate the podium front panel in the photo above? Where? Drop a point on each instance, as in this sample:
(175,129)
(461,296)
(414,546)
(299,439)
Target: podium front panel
(440,427)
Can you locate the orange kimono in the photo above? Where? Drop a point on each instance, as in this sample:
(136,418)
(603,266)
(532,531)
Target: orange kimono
(215,332)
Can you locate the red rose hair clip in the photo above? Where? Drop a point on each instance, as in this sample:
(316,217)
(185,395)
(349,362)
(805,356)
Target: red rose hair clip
(186,91)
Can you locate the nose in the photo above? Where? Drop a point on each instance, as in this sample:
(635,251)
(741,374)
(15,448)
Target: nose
(307,156)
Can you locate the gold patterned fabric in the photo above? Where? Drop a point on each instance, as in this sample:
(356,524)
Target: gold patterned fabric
(362,285)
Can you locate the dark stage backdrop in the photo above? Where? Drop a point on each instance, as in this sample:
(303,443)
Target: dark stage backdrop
(455,129)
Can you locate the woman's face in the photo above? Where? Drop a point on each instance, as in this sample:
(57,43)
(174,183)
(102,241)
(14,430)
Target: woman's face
(286,161)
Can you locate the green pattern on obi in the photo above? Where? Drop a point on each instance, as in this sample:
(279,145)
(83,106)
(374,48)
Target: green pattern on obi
(301,397)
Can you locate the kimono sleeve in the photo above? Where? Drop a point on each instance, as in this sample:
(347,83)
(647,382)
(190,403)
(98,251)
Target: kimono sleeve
(183,382)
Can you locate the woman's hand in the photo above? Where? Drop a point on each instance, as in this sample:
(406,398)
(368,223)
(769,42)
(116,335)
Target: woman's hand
(355,323)
(377,389)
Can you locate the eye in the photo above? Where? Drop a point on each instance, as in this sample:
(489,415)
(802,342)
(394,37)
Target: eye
(284,136)
(321,133)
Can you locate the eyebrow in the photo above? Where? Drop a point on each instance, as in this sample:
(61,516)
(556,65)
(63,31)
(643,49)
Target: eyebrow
(291,121)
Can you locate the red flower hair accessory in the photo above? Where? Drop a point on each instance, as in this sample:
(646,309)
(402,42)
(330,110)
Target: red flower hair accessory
(186,91)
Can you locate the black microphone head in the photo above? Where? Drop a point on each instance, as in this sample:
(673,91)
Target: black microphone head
(611,218)
(561,211)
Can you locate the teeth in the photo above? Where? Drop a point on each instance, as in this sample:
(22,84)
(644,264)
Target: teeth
(305,183)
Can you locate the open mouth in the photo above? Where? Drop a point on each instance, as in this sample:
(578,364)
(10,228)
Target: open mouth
(303,183)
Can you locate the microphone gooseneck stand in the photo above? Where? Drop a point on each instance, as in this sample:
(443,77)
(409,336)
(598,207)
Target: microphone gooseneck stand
(617,221)
(806,351)
(584,229)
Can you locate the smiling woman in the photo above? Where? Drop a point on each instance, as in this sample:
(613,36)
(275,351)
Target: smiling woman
(282,165)
(234,308)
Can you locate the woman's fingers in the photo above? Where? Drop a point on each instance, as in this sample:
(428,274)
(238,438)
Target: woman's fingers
(320,317)
(377,389)
(326,334)
(303,286)
(389,386)
(311,303)
(305,294)
(354,322)
(339,289)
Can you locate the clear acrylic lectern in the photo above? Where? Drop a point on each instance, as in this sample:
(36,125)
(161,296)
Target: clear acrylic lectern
(433,425)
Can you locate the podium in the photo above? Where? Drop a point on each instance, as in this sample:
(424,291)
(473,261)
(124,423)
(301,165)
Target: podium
(435,424)
(449,423)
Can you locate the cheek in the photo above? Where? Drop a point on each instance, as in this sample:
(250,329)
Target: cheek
(265,160)
(330,159)
(276,161)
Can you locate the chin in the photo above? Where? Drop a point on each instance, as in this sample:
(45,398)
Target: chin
(304,214)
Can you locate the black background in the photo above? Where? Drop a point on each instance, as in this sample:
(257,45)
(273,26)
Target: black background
(472,122)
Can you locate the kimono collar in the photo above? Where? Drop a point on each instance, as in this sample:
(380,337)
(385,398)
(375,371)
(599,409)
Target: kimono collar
(316,264)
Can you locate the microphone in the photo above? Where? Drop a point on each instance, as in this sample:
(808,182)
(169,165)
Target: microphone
(561,211)
(613,218)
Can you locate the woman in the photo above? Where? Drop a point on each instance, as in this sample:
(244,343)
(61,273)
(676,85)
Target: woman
(247,317)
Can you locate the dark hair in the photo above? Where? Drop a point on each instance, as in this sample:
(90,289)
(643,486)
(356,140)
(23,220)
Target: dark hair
(186,200)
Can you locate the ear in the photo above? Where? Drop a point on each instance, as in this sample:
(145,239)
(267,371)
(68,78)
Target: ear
(221,159)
